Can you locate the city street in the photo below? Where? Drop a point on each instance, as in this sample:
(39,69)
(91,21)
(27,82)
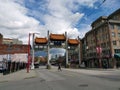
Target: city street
(60,45)
(67,79)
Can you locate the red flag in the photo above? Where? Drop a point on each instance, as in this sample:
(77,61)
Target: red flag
(99,50)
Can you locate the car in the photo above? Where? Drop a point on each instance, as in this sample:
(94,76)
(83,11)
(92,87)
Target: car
(1,67)
(36,64)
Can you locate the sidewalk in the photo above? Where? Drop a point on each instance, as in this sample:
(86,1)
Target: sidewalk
(95,71)
(19,75)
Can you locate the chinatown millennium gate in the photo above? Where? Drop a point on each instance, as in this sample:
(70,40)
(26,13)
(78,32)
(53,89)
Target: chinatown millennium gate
(56,41)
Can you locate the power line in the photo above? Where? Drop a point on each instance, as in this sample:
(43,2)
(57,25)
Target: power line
(97,7)
(90,13)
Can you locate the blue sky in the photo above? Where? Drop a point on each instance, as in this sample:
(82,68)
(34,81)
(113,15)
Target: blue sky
(20,17)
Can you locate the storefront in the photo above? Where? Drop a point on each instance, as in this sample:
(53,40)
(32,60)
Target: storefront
(117,59)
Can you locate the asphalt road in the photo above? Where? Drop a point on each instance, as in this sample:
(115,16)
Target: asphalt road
(65,80)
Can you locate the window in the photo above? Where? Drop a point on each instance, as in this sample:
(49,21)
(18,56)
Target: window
(107,36)
(118,27)
(117,50)
(108,44)
(115,17)
(113,34)
(114,43)
(118,34)
(111,26)
(119,43)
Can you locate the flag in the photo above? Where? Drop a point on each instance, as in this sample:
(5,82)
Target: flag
(99,50)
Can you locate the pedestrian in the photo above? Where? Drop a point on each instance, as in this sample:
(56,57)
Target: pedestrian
(59,67)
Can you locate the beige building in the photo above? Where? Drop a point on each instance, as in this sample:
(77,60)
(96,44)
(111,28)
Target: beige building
(11,41)
(102,43)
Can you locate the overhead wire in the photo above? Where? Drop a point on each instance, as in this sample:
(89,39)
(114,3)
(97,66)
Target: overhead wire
(90,13)
(97,7)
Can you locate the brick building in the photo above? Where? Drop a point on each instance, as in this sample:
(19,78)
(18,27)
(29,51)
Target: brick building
(102,43)
(13,53)
(12,49)
(12,46)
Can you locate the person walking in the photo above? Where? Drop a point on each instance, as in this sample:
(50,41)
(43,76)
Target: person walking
(59,67)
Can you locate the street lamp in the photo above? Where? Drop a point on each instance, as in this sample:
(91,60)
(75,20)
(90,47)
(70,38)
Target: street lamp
(28,64)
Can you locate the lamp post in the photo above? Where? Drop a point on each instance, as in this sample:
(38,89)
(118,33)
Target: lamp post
(79,56)
(28,64)
(66,49)
(33,51)
(32,64)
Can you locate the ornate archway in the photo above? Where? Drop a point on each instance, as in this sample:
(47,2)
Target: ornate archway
(57,41)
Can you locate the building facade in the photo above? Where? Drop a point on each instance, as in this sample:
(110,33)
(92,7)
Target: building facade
(102,43)
(11,41)
(1,38)
(13,49)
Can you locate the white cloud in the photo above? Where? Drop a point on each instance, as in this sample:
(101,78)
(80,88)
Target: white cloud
(14,22)
(59,16)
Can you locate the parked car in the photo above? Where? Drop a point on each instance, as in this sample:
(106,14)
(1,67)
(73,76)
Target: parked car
(3,67)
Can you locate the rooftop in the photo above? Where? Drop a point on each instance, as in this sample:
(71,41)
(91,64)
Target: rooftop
(73,41)
(59,37)
(41,40)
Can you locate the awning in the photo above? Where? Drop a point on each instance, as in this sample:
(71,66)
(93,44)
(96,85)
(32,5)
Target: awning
(117,55)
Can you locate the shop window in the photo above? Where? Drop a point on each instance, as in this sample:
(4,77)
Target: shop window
(117,50)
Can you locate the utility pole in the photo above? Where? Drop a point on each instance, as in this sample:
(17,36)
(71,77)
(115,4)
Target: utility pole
(33,52)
